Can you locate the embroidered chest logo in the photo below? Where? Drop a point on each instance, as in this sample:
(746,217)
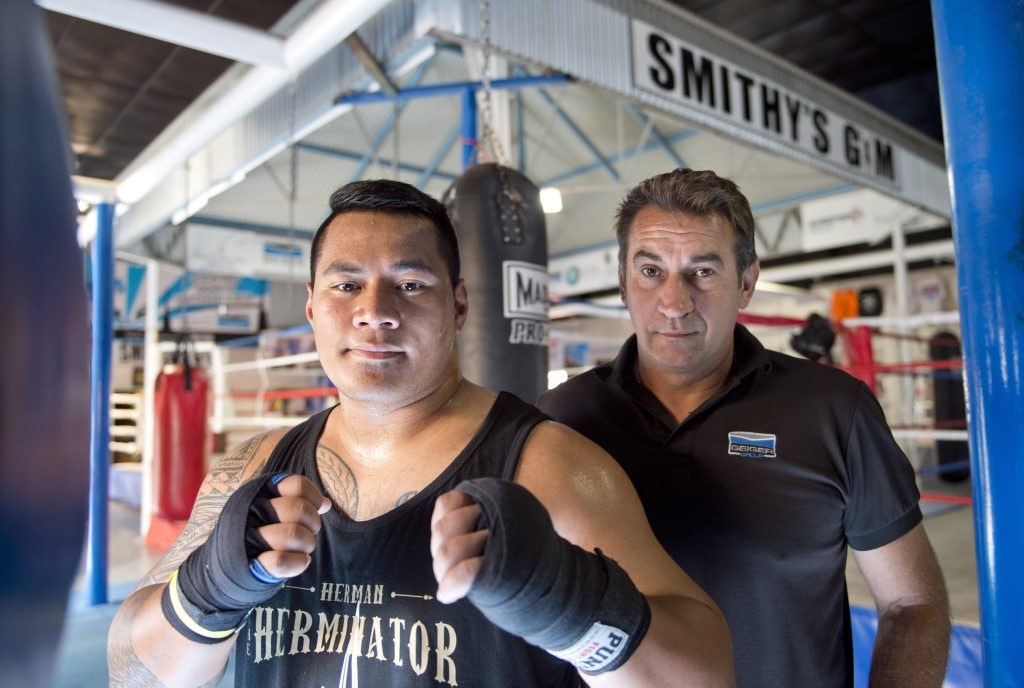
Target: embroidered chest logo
(752,445)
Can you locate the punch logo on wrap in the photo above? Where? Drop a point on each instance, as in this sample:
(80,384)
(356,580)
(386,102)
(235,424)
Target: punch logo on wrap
(525,287)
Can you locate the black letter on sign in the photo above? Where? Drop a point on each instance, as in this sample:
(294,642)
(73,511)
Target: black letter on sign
(793,110)
(746,82)
(821,137)
(770,109)
(660,48)
(852,139)
(699,77)
(883,160)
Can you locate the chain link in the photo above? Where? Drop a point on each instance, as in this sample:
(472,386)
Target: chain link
(510,204)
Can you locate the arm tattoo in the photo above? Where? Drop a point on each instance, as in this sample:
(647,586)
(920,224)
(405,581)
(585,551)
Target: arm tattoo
(126,669)
(339,480)
(221,482)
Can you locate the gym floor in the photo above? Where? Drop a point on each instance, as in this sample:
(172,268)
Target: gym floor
(82,657)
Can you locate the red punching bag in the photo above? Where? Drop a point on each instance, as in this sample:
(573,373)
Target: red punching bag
(180,434)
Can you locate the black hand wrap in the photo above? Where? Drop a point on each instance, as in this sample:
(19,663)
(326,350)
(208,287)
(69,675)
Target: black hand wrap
(209,596)
(579,606)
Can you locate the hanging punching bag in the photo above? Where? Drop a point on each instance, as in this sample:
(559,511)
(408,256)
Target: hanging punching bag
(179,435)
(950,406)
(503,242)
(44,356)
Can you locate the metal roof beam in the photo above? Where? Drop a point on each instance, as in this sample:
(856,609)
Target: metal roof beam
(370,63)
(438,156)
(352,155)
(322,30)
(389,123)
(179,26)
(653,145)
(658,136)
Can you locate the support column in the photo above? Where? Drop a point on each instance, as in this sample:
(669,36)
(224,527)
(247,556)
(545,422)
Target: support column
(980,48)
(99,446)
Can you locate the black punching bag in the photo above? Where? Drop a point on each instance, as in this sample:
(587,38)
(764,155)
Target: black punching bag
(503,242)
(44,356)
(950,405)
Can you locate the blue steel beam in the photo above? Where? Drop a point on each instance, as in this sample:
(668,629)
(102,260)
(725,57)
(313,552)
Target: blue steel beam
(389,123)
(657,135)
(625,155)
(980,47)
(272,230)
(99,445)
(350,155)
(574,128)
(449,89)
(470,144)
(578,133)
(438,155)
(797,199)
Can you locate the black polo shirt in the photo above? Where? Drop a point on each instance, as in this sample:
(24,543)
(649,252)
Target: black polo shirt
(757,495)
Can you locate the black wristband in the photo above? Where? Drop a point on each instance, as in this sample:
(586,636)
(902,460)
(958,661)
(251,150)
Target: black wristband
(577,605)
(209,596)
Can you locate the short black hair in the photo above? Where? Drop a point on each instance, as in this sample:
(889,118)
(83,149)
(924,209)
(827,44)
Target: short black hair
(701,193)
(396,198)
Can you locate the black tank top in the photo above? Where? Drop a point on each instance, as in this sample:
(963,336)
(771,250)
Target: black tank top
(363,615)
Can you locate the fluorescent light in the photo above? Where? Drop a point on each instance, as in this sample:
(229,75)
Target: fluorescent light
(551,200)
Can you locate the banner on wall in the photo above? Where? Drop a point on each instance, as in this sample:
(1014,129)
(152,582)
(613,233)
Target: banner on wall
(190,302)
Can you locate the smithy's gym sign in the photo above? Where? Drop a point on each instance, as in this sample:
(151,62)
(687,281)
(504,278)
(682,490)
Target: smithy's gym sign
(673,69)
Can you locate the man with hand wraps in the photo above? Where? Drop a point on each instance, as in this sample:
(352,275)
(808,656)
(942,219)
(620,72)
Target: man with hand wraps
(423,531)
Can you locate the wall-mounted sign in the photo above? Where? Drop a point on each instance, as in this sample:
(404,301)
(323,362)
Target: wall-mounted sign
(673,69)
(243,253)
(862,216)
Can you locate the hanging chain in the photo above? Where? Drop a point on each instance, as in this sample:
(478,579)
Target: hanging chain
(509,205)
(490,136)
(293,179)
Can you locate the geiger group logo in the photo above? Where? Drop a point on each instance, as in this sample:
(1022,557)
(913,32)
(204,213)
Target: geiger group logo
(752,445)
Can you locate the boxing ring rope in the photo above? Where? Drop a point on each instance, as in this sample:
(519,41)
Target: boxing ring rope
(913,432)
(225,415)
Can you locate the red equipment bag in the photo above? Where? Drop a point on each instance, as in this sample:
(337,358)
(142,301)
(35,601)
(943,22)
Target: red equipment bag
(180,434)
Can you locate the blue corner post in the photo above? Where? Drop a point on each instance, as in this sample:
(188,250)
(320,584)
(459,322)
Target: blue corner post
(99,446)
(980,49)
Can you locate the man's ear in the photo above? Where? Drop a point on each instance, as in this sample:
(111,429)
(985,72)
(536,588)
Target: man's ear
(309,303)
(622,284)
(461,304)
(747,282)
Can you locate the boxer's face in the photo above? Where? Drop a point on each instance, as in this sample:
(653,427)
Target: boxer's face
(681,287)
(382,307)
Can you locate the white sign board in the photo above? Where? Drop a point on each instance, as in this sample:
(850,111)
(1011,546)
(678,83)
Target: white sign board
(237,252)
(856,217)
(674,69)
